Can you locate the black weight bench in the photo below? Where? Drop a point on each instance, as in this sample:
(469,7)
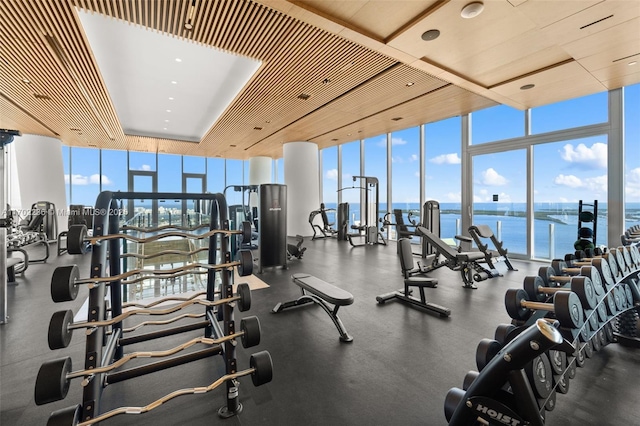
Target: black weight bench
(315,290)
(465,262)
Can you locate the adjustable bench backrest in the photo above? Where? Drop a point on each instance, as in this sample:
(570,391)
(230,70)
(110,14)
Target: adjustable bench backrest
(442,247)
(406,256)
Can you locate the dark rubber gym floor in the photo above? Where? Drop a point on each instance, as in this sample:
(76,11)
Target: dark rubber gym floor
(397,370)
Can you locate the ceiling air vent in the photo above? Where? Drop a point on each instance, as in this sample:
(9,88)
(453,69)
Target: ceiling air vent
(595,22)
(397,118)
(257,128)
(303,96)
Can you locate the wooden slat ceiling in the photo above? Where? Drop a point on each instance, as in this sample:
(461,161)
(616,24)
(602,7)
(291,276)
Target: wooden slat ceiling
(354,59)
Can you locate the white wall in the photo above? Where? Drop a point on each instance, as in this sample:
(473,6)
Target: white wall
(40,170)
(301,178)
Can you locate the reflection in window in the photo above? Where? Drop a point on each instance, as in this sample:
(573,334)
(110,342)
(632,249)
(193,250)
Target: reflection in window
(592,109)
(496,123)
(565,173)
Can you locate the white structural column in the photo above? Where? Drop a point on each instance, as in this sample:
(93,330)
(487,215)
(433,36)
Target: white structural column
(41,173)
(260,170)
(301,178)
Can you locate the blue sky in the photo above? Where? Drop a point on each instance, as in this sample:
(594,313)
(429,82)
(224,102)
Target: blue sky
(564,171)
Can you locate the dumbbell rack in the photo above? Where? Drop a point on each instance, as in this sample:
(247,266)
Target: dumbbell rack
(513,368)
(102,349)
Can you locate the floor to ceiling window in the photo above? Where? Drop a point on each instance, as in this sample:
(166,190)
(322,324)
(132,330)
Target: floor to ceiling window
(350,191)
(405,175)
(500,197)
(632,155)
(375,165)
(330,181)
(497,123)
(443,170)
(576,112)
(85,175)
(564,173)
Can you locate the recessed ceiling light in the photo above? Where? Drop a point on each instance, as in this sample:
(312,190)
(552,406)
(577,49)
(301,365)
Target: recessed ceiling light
(188,26)
(410,84)
(170,98)
(178,60)
(326,81)
(430,35)
(26,81)
(164,128)
(166,121)
(174,82)
(632,63)
(472,10)
(527,86)
(168,110)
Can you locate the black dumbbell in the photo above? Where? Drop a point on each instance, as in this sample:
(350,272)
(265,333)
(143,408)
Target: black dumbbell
(581,285)
(566,306)
(61,325)
(78,241)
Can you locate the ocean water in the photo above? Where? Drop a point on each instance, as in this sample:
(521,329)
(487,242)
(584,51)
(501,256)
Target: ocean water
(553,222)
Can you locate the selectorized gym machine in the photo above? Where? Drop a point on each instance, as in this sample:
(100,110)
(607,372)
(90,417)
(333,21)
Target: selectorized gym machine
(369,230)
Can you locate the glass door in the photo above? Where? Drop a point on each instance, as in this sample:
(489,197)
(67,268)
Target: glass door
(500,197)
(193,210)
(141,212)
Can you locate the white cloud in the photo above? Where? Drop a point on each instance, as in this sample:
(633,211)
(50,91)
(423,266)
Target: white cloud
(446,159)
(594,157)
(593,184)
(397,160)
(568,180)
(332,174)
(632,187)
(394,141)
(453,196)
(417,174)
(493,178)
(414,157)
(145,167)
(95,179)
(87,180)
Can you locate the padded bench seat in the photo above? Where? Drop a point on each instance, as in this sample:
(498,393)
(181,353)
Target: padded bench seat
(315,290)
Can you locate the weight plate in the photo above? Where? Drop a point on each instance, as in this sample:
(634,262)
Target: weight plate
(469,378)
(635,255)
(605,272)
(601,309)
(613,265)
(52,383)
(627,294)
(59,335)
(627,258)
(622,263)
(617,298)
(250,328)
(602,337)
(635,289)
(485,352)
(611,304)
(561,384)
(244,292)
(550,403)
(513,299)
(558,361)
(263,368)
(571,367)
(596,280)
(593,321)
(76,239)
(580,355)
(546,273)
(595,342)
(540,374)
(608,330)
(532,286)
(583,287)
(245,228)
(63,283)
(588,349)
(568,309)
(502,333)
(245,260)
(66,416)
(452,400)
(558,266)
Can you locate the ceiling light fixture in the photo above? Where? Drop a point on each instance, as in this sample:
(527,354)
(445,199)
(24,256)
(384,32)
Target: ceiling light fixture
(26,81)
(410,84)
(430,35)
(170,98)
(188,25)
(178,60)
(166,121)
(174,82)
(527,86)
(632,63)
(168,110)
(472,10)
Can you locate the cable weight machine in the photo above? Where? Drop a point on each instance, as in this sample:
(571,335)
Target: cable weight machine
(369,230)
